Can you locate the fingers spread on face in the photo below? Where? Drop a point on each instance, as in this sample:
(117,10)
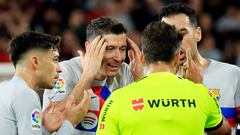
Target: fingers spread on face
(189,57)
(134,46)
(100,45)
(102,49)
(94,43)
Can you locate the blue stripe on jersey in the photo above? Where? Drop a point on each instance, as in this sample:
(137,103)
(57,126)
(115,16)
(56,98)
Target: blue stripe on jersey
(105,93)
(81,128)
(229,112)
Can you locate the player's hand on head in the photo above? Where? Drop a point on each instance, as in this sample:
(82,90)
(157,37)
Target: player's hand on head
(91,60)
(134,55)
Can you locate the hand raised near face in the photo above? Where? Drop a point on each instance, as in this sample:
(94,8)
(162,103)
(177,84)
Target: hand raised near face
(134,55)
(91,60)
(190,70)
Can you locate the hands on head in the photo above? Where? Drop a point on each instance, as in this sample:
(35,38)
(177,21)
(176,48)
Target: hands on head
(92,59)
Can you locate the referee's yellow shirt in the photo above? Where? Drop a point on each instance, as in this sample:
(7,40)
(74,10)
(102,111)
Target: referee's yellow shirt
(159,104)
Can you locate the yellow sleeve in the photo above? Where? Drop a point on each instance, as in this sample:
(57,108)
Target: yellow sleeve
(213,111)
(108,119)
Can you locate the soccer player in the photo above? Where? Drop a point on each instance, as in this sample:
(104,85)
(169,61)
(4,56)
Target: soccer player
(35,57)
(161,103)
(222,79)
(100,67)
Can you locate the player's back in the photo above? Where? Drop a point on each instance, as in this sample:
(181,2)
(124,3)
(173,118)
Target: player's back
(7,119)
(163,104)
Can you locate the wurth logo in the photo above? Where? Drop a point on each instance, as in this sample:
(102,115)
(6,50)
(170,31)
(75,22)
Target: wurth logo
(138,104)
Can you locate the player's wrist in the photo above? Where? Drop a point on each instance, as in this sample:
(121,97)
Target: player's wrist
(48,127)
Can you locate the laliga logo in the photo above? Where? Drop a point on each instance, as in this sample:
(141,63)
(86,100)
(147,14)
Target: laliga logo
(36,119)
(59,85)
(89,121)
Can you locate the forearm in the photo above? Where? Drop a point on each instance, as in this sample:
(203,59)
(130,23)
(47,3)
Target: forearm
(225,129)
(83,84)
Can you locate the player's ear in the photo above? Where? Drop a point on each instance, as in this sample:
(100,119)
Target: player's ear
(34,61)
(198,34)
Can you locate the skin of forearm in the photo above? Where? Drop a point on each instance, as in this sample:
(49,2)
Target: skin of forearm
(83,84)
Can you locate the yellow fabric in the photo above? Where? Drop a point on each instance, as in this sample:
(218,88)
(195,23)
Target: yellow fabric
(160,103)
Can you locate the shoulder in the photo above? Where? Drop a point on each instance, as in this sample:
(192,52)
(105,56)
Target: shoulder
(21,91)
(129,89)
(71,69)
(223,65)
(217,67)
(71,64)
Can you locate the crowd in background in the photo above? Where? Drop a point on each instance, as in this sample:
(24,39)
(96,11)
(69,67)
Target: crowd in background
(219,20)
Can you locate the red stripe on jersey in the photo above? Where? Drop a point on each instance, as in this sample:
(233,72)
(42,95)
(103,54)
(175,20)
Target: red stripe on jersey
(238,109)
(232,122)
(238,116)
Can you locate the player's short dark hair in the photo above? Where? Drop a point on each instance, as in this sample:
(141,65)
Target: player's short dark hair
(179,8)
(26,41)
(102,26)
(159,42)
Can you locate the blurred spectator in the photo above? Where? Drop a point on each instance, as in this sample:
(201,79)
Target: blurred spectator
(206,22)
(208,48)
(58,17)
(214,7)
(48,21)
(230,21)
(118,10)
(229,52)
(70,45)
(197,5)
(142,14)
(4,39)
(94,9)
(237,51)
(76,19)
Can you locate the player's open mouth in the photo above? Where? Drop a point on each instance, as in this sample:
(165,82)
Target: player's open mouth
(113,66)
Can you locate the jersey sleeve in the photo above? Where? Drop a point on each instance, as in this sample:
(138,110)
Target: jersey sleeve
(27,110)
(213,111)
(237,100)
(128,74)
(65,129)
(108,120)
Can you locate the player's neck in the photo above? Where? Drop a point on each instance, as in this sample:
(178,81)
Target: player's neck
(200,61)
(27,76)
(160,67)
